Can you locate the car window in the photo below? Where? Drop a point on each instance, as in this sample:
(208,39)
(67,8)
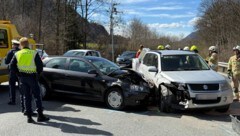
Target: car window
(183,63)
(104,65)
(94,53)
(148,60)
(79,54)
(79,66)
(56,63)
(154,60)
(3,38)
(74,53)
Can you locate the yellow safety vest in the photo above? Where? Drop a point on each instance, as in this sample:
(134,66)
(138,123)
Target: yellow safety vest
(26,61)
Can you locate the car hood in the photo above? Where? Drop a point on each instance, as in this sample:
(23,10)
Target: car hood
(127,74)
(207,76)
(124,58)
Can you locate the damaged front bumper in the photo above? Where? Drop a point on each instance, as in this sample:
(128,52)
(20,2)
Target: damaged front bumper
(223,98)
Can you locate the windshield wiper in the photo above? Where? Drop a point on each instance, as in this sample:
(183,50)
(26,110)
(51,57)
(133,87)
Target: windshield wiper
(192,69)
(113,71)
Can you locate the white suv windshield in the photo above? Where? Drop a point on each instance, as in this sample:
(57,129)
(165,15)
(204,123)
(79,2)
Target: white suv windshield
(183,63)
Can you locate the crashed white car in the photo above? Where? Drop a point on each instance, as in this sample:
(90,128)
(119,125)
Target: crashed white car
(183,80)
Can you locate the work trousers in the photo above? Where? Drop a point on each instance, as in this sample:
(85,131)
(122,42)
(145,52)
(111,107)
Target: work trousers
(29,85)
(236,79)
(12,89)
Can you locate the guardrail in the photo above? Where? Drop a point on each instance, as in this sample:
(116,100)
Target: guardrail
(222,67)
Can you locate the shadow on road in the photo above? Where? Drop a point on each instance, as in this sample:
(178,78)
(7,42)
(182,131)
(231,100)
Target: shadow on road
(67,127)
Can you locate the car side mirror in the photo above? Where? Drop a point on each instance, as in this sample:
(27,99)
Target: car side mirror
(152,69)
(93,72)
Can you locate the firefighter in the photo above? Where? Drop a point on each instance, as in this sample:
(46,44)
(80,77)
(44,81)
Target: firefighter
(28,65)
(139,51)
(168,47)
(12,75)
(186,48)
(160,47)
(212,59)
(234,70)
(194,48)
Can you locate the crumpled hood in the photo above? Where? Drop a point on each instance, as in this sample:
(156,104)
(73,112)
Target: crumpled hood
(207,76)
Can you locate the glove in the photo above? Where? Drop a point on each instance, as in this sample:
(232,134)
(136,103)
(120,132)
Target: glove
(230,74)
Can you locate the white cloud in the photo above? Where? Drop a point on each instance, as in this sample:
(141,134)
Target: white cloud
(164,8)
(132,12)
(144,14)
(170,25)
(193,21)
(133,1)
(173,16)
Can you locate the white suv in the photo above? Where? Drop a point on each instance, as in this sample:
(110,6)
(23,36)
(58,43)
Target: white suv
(183,80)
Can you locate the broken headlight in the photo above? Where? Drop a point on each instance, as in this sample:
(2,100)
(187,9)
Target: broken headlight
(180,86)
(224,86)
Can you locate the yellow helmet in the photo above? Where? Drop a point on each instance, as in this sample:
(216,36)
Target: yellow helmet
(193,48)
(160,47)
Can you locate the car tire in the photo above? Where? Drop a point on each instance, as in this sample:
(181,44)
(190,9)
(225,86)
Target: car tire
(45,91)
(223,109)
(115,99)
(165,100)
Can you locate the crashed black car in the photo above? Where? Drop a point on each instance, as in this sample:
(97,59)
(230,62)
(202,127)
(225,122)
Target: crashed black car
(93,78)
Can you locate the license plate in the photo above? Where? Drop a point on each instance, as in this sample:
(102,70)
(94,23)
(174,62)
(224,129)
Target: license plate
(206,97)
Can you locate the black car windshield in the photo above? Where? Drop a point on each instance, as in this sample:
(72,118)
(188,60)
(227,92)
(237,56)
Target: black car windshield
(104,65)
(128,54)
(74,53)
(188,62)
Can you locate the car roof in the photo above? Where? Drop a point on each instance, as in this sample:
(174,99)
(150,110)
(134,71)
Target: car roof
(173,52)
(78,57)
(83,50)
(129,51)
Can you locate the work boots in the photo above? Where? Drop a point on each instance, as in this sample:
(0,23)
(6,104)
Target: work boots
(29,119)
(42,118)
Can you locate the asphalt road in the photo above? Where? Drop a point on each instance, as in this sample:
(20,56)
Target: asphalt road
(71,116)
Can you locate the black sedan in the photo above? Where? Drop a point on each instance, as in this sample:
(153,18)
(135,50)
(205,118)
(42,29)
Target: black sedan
(93,78)
(125,59)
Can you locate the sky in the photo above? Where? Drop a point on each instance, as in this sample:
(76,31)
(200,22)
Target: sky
(167,17)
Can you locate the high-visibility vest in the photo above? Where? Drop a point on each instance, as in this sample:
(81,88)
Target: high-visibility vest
(26,61)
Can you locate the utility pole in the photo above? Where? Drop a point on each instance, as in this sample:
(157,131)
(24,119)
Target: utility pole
(113,10)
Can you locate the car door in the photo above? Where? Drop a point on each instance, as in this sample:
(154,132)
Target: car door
(153,62)
(80,82)
(54,72)
(143,68)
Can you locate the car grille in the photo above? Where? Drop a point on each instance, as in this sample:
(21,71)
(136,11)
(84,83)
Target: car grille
(206,101)
(204,87)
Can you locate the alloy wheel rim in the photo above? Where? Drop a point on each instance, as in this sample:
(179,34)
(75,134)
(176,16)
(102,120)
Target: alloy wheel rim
(115,99)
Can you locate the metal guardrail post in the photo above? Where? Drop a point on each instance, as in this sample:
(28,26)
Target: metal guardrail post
(223,66)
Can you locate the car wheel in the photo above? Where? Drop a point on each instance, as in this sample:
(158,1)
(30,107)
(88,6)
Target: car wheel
(223,109)
(165,101)
(115,99)
(45,93)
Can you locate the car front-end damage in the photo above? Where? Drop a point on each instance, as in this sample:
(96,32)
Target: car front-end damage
(135,89)
(201,95)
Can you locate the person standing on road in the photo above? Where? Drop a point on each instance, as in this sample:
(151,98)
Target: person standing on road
(168,47)
(194,48)
(161,47)
(139,51)
(186,48)
(12,75)
(234,70)
(212,59)
(27,63)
